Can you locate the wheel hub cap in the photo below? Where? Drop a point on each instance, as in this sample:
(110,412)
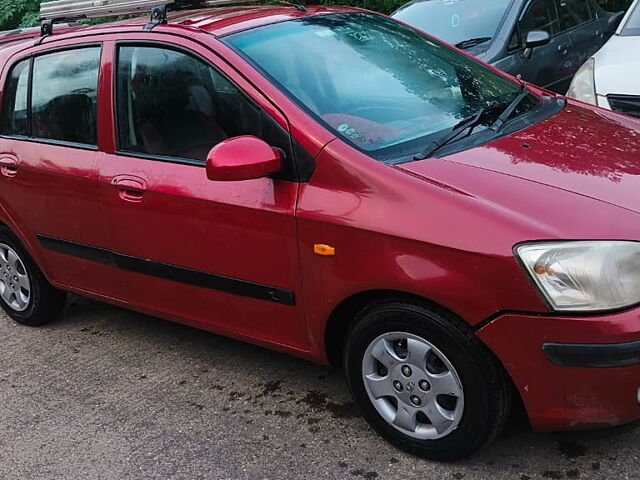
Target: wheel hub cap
(15,286)
(413,386)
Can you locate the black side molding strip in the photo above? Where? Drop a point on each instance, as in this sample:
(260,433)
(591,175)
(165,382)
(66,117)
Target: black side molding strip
(169,272)
(593,355)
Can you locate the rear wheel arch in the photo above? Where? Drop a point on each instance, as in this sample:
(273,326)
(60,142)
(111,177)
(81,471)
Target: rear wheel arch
(27,296)
(14,231)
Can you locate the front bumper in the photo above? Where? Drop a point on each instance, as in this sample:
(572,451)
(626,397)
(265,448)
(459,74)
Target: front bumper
(571,372)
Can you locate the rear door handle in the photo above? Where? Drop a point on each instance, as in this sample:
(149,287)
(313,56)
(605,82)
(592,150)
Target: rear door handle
(130,188)
(8,166)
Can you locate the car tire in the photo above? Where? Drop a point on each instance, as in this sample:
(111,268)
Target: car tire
(25,295)
(453,398)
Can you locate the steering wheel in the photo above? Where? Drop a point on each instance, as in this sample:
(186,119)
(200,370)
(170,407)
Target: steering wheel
(82,91)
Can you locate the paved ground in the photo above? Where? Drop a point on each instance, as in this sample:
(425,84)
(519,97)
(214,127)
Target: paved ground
(109,394)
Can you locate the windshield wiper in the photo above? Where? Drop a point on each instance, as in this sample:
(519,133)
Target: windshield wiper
(472,42)
(511,108)
(467,125)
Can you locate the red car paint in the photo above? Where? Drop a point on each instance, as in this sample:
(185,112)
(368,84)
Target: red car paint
(440,229)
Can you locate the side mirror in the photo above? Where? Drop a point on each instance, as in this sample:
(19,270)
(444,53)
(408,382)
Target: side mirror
(535,38)
(242,158)
(614,22)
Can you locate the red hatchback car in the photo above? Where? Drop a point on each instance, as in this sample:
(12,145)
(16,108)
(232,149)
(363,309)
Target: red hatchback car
(333,184)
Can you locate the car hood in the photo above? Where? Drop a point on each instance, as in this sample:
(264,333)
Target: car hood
(617,67)
(590,152)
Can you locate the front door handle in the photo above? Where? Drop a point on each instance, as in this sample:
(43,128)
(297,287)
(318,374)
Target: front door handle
(8,166)
(130,188)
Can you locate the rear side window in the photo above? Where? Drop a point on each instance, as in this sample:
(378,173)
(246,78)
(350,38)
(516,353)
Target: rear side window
(573,13)
(14,108)
(64,98)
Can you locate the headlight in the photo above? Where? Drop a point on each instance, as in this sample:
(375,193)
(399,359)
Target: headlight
(584,276)
(583,85)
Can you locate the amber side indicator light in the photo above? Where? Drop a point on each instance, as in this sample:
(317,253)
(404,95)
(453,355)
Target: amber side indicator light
(324,250)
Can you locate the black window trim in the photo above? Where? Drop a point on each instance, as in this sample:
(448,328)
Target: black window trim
(161,158)
(47,141)
(185,51)
(29,95)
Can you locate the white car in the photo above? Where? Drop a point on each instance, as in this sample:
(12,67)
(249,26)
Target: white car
(611,78)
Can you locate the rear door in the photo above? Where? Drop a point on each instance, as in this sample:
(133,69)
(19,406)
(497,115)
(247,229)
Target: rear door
(48,152)
(578,18)
(219,255)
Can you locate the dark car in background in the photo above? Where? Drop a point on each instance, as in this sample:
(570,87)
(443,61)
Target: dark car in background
(543,41)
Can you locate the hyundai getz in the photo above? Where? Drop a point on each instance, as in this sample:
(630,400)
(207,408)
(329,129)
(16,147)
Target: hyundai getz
(333,184)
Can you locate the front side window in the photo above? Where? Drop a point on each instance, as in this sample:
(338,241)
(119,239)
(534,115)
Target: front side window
(573,13)
(541,15)
(174,105)
(14,108)
(376,83)
(64,96)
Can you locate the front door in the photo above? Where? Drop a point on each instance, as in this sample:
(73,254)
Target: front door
(545,65)
(218,255)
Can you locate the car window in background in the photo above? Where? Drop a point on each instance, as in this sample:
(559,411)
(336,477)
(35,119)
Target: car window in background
(573,13)
(14,109)
(541,15)
(455,21)
(64,96)
(373,81)
(632,27)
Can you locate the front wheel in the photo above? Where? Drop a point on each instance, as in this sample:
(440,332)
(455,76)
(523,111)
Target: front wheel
(424,381)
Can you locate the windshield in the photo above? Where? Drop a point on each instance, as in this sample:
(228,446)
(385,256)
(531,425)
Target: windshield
(455,21)
(377,84)
(632,27)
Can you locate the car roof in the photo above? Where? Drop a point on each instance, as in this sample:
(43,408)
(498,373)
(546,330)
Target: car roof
(216,21)
(224,20)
